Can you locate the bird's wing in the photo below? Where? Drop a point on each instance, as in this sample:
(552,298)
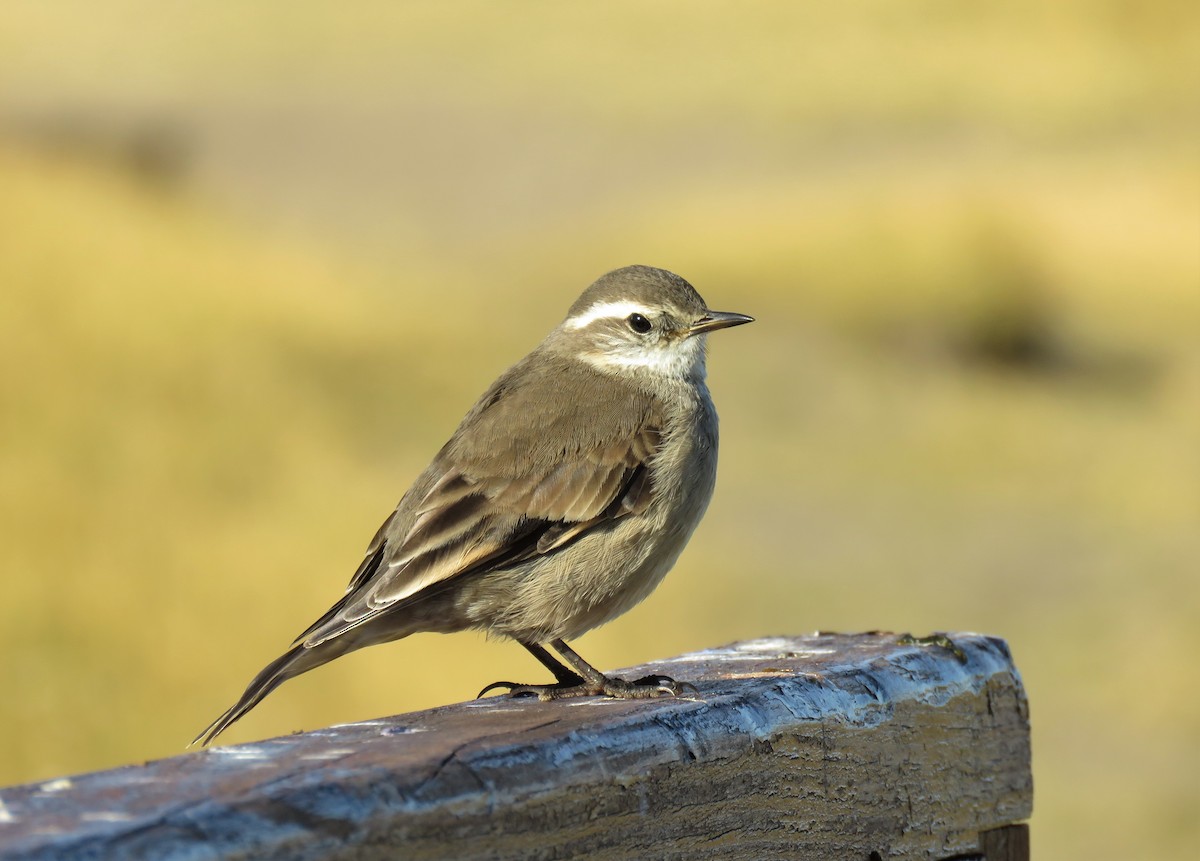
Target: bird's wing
(503,491)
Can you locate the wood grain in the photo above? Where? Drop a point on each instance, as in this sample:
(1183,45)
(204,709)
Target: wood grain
(825,746)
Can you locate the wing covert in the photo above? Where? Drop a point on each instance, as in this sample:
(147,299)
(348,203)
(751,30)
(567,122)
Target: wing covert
(488,503)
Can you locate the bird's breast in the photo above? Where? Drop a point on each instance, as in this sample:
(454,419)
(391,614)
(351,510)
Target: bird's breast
(608,570)
(684,469)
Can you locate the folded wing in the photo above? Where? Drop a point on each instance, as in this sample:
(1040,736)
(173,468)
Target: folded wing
(484,506)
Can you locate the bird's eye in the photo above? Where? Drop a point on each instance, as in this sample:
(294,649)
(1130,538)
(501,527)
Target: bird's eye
(638,323)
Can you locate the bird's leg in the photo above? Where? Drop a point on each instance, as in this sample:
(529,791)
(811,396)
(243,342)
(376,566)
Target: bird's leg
(566,678)
(643,688)
(584,680)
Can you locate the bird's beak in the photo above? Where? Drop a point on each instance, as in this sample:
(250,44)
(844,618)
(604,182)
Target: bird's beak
(718,320)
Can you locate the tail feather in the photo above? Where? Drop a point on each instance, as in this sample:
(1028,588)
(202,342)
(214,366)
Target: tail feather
(404,618)
(293,662)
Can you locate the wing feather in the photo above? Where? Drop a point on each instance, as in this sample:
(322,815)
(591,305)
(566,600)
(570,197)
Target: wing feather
(498,493)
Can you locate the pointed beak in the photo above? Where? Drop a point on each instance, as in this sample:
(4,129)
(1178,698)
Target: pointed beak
(718,320)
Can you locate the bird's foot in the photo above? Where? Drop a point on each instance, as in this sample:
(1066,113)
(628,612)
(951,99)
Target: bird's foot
(642,689)
(545,693)
(647,687)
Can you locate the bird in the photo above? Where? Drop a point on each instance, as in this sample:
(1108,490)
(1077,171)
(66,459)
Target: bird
(561,500)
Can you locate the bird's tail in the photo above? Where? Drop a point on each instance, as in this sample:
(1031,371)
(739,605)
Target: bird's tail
(293,662)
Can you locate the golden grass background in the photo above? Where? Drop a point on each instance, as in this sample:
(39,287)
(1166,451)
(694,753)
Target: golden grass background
(256,261)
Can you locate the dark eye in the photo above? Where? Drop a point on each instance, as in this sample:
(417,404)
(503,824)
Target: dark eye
(638,323)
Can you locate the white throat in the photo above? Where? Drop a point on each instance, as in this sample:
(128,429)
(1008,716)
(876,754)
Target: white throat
(677,360)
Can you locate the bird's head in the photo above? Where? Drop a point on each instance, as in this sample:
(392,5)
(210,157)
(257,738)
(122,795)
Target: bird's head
(642,321)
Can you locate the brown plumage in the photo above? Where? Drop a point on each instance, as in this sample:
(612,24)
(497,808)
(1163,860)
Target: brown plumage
(561,500)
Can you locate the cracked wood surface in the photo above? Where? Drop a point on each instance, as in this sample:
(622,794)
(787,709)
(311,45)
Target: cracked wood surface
(823,746)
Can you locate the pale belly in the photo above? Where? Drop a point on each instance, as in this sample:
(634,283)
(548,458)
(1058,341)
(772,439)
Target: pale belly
(605,572)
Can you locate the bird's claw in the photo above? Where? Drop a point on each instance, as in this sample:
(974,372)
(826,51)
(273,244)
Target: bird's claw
(545,693)
(512,687)
(668,685)
(646,687)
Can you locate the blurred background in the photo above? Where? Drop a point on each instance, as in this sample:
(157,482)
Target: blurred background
(256,260)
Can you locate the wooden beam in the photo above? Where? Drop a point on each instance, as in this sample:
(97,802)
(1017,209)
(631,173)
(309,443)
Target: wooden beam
(826,746)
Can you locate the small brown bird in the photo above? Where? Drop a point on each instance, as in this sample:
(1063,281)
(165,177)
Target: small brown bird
(563,498)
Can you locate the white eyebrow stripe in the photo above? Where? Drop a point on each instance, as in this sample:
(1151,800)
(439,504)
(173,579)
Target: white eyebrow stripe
(604,311)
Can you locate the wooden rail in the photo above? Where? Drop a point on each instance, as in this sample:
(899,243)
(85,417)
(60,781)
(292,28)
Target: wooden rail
(831,746)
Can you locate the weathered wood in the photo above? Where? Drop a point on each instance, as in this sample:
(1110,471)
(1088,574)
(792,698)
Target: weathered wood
(826,746)
(1010,843)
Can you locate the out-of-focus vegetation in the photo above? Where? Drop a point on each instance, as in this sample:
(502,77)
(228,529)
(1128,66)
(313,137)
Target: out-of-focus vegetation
(257,260)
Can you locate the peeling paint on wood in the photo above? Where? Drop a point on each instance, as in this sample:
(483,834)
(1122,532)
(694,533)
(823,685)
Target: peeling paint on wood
(825,746)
